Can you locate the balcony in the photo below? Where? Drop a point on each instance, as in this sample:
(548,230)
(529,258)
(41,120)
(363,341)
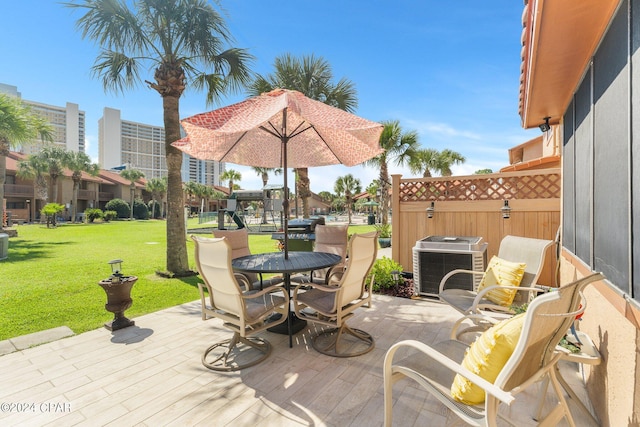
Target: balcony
(86,195)
(105,196)
(14,190)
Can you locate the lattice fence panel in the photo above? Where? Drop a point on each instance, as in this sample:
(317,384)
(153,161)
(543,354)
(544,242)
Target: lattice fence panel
(494,187)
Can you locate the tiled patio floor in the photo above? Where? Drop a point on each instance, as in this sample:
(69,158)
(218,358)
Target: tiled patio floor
(150,374)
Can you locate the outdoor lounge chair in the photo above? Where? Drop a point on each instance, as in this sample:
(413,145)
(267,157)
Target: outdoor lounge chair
(332,239)
(333,305)
(513,249)
(521,350)
(245,313)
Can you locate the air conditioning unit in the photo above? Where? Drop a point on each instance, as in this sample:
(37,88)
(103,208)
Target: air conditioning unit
(435,256)
(4,245)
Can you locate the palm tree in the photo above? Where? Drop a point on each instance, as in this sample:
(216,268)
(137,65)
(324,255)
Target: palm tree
(35,169)
(326,196)
(78,162)
(183,42)
(18,124)
(157,187)
(189,188)
(424,161)
(132,175)
(207,194)
(447,158)
(231,176)
(313,77)
(53,156)
(347,186)
(400,147)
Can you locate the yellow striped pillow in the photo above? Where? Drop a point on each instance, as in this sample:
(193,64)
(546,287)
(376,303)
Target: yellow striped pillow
(486,357)
(502,273)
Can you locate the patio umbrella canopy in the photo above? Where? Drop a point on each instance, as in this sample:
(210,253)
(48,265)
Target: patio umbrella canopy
(281,129)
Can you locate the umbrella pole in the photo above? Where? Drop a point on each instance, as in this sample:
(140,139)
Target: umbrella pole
(285,203)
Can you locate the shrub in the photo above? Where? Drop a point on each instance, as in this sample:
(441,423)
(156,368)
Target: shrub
(382,269)
(384,230)
(109,216)
(93,214)
(120,206)
(140,210)
(50,210)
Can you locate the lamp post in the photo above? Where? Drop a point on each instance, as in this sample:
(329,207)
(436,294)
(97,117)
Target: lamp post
(28,210)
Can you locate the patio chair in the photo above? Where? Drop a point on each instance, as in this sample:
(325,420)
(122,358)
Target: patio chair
(239,241)
(333,305)
(245,313)
(510,280)
(501,363)
(333,239)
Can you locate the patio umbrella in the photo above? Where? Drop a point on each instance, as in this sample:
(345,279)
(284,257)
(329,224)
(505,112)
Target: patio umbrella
(281,129)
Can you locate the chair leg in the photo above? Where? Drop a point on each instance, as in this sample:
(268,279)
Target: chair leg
(562,408)
(234,357)
(330,342)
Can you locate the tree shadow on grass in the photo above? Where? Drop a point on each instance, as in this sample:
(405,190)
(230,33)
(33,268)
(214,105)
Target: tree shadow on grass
(191,280)
(24,250)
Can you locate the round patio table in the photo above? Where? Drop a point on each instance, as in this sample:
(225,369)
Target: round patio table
(274,262)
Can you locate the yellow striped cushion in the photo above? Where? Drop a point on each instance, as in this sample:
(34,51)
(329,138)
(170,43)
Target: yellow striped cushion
(502,273)
(486,357)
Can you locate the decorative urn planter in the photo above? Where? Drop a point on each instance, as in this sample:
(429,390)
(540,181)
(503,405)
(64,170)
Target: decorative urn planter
(118,290)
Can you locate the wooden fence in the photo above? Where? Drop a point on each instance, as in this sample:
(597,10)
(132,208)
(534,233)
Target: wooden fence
(471,206)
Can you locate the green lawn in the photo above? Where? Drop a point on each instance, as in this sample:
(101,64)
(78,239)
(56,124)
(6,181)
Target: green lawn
(51,276)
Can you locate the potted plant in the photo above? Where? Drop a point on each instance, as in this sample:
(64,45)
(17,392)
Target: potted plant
(384,235)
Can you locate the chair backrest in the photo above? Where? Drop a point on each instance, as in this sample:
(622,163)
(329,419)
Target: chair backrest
(527,250)
(237,239)
(213,259)
(333,239)
(363,250)
(239,242)
(547,320)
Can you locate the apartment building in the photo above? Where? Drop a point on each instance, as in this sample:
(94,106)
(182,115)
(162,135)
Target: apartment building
(141,146)
(68,123)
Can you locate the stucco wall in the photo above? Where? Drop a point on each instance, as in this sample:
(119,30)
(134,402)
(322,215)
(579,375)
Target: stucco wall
(611,323)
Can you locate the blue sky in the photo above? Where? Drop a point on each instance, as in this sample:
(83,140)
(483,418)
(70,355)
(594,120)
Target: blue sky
(449,70)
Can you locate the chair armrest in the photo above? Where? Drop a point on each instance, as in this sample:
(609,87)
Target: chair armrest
(243,281)
(271,289)
(448,363)
(335,271)
(452,272)
(202,301)
(481,294)
(320,286)
(477,319)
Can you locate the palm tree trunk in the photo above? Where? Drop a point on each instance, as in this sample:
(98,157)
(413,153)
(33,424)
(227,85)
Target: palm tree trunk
(177,260)
(384,193)
(153,207)
(4,151)
(74,202)
(132,194)
(304,189)
(54,189)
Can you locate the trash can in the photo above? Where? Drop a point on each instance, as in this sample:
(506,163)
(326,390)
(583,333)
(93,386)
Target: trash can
(371,219)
